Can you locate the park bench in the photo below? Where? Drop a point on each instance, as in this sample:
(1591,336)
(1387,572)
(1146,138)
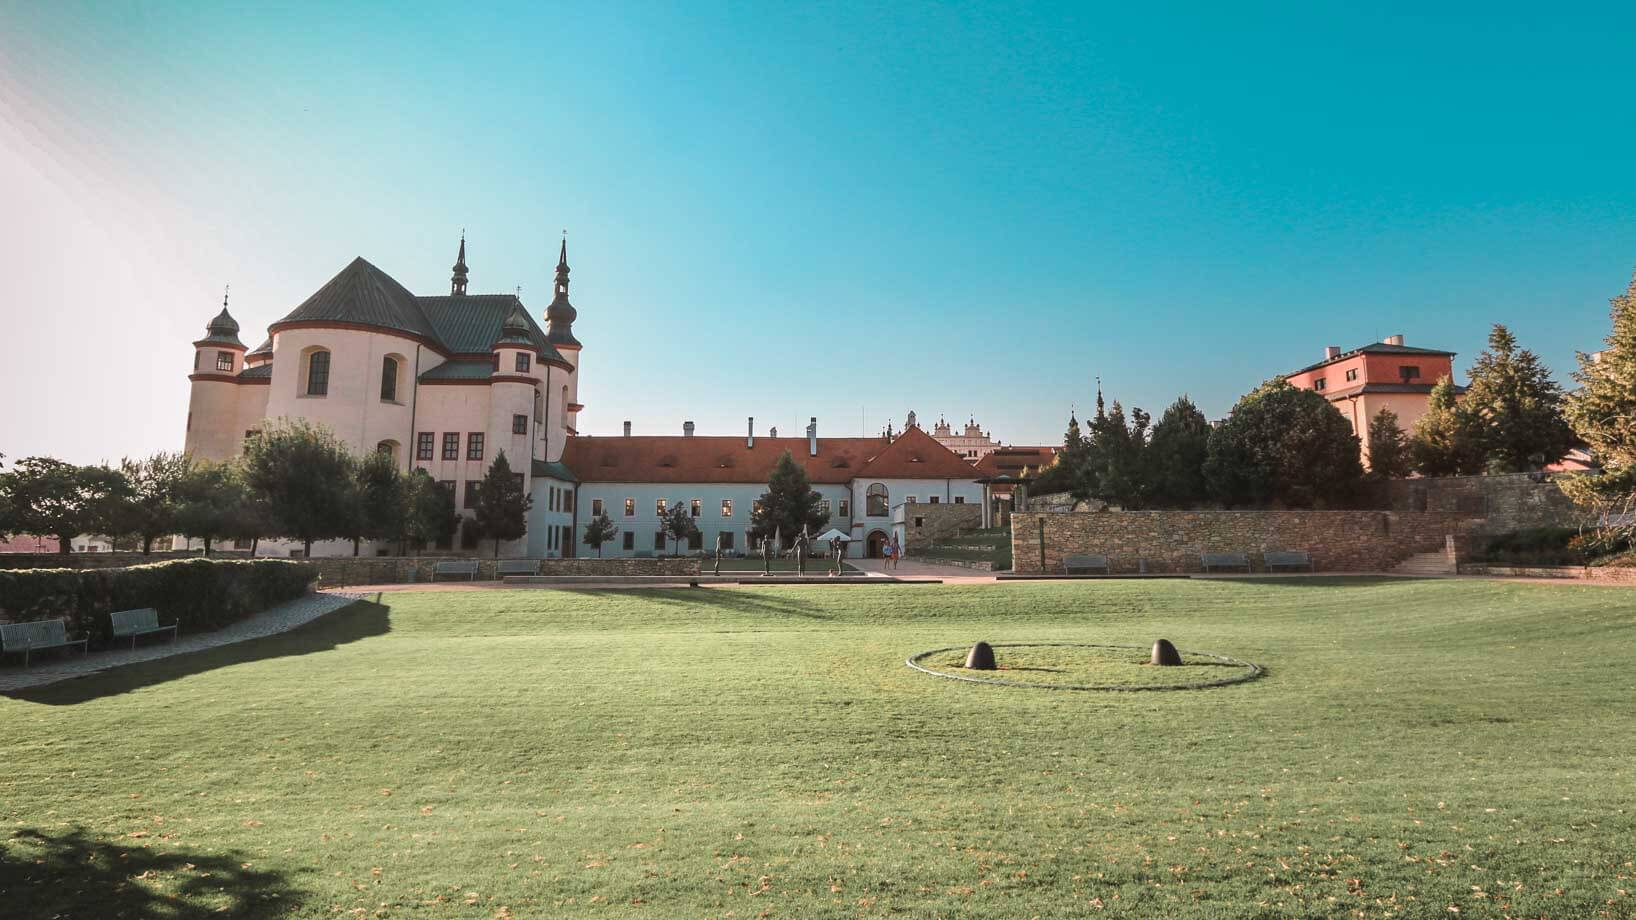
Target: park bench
(1085,565)
(134,623)
(1225,561)
(1287,559)
(518,567)
(36,636)
(466,567)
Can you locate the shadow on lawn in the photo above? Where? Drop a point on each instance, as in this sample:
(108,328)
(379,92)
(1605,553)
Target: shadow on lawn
(349,624)
(1361,580)
(737,600)
(72,874)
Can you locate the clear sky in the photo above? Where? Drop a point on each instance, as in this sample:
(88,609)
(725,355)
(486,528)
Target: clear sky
(786,210)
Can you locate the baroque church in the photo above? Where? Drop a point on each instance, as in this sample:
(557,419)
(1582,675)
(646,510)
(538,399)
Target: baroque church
(444,383)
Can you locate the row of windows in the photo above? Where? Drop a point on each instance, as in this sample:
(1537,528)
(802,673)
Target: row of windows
(1405,372)
(451,445)
(696,505)
(317,372)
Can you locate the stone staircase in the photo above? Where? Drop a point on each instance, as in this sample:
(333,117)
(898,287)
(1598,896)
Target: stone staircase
(1438,563)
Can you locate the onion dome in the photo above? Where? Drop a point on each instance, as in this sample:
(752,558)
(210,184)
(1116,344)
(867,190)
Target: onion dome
(560,316)
(514,330)
(223,330)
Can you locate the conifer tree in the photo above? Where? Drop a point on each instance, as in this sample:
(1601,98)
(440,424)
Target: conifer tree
(788,503)
(1388,447)
(1447,440)
(502,505)
(1518,405)
(1603,415)
(1176,454)
(431,517)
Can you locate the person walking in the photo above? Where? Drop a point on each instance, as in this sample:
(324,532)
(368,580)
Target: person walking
(897,552)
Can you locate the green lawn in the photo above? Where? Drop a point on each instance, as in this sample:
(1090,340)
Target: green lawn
(1413,747)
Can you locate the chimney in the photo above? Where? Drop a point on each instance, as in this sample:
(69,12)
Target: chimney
(1394,339)
(1331,352)
(750,436)
(812,437)
(772,432)
(627,429)
(687,429)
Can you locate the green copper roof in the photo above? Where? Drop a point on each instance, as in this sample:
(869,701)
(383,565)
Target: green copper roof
(470,323)
(461,369)
(260,370)
(554,470)
(365,295)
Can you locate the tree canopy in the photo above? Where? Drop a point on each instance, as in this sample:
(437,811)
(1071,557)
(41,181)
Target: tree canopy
(1603,415)
(306,477)
(1388,447)
(1285,446)
(1517,407)
(1176,453)
(48,497)
(788,503)
(502,505)
(1447,440)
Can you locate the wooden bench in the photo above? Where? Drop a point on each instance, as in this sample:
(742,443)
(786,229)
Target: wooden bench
(1225,561)
(1287,559)
(36,636)
(518,567)
(1085,565)
(136,623)
(466,567)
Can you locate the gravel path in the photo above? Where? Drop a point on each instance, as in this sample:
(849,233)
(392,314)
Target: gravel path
(55,666)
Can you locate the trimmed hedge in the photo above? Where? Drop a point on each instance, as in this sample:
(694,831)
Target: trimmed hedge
(198,594)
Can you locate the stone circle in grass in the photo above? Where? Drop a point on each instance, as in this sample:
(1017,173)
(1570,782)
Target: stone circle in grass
(1087,666)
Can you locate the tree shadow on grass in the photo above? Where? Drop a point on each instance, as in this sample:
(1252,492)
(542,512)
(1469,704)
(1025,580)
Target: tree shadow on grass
(735,600)
(71,874)
(348,624)
(1361,580)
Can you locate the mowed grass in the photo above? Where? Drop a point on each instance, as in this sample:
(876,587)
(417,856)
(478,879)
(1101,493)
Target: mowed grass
(1416,747)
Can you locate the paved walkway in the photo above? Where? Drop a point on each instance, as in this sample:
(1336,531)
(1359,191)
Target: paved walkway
(60,666)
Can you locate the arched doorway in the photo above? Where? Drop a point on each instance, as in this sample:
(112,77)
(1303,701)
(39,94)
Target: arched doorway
(876,544)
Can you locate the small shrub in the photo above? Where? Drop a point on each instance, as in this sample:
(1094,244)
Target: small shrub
(199,594)
(1541,546)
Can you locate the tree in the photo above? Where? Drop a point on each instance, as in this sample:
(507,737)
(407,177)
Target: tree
(381,503)
(502,505)
(430,516)
(213,503)
(677,525)
(598,531)
(1283,446)
(1447,440)
(151,511)
(305,476)
(1519,406)
(1115,470)
(788,504)
(1176,453)
(7,525)
(1603,414)
(1388,447)
(51,498)
(1060,474)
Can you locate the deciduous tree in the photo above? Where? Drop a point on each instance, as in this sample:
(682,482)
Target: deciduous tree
(678,526)
(1284,446)
(599,530)
(150,512)
(305,476)
(56,499)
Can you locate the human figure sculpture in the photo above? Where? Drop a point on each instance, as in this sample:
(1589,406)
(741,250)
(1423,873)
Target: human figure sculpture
(802,541)
(835,550)
(766,556)
(718,553)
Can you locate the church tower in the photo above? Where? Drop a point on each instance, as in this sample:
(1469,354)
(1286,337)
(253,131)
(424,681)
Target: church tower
(457,282)
(559,331)
(213,402)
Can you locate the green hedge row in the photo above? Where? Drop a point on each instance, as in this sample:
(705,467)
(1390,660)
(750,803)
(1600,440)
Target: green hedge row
(199,594)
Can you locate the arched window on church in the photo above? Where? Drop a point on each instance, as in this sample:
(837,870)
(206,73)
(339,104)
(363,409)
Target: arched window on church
(389,378)
(315,372)
(876,500)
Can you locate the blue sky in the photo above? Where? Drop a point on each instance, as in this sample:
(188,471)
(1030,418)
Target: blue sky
(845,211)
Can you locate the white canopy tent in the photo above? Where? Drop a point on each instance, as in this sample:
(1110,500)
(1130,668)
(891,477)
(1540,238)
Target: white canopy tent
(829,535)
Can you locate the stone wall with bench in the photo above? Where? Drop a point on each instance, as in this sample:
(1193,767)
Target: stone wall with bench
(1171,541)
(338,571)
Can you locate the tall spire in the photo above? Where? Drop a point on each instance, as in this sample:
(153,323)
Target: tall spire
(560,316)
(457,283)
(1099,413)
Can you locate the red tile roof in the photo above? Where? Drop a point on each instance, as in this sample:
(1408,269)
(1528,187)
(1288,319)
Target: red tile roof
(677,458)
(1012,460)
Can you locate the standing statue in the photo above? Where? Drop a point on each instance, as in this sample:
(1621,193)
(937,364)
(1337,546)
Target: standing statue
(766,556)
(718,553)
(802,542)
(836,548)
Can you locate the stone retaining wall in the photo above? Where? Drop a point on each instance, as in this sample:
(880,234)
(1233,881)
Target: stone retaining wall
(1616,574)
(338,571)
(1171,541)
(925,523)
(1500,504)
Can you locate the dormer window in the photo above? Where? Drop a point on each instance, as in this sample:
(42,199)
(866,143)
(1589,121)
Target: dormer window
(224,360)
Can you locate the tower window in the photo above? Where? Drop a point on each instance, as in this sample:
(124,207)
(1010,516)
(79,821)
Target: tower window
(389,379)
(224,360)
(519,424)
(522,362)
(318,373)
